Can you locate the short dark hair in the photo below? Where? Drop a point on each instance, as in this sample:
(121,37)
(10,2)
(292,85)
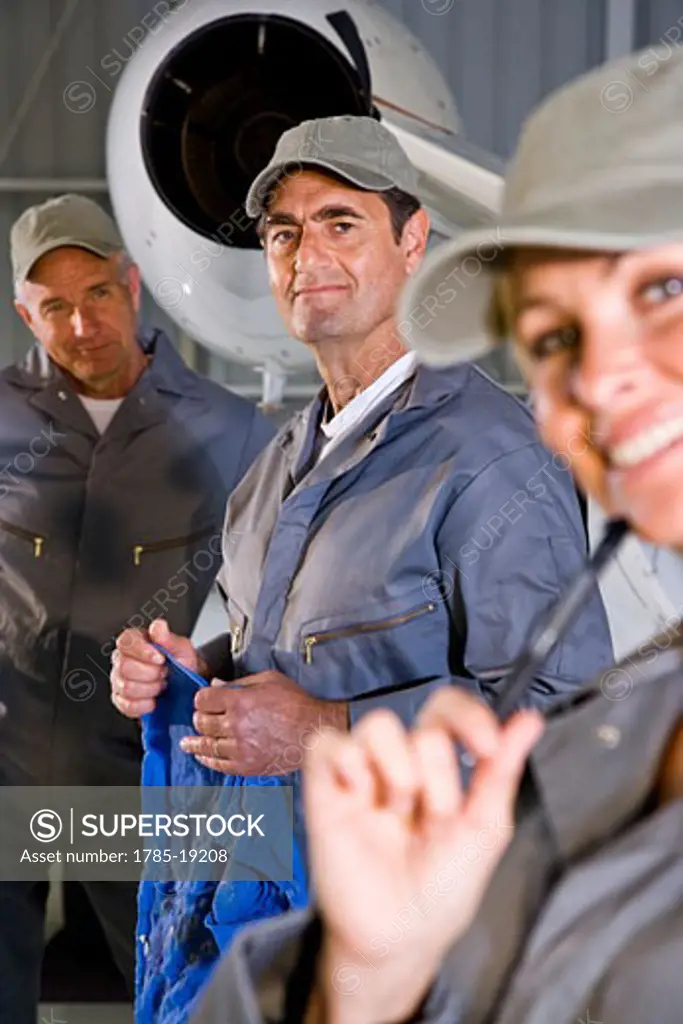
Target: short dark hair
(401,205)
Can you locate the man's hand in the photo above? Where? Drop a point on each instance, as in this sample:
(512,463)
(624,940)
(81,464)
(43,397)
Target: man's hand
(138,673)
(259,725)
(396,848)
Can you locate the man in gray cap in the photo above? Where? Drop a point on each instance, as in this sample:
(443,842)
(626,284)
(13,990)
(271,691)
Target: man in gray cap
(117,461)
(407,528)
(581,921)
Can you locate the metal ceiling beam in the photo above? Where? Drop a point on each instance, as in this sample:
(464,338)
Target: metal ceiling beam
(53,184)
(620,27)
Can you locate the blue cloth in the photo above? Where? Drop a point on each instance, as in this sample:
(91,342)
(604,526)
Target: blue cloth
(184,927)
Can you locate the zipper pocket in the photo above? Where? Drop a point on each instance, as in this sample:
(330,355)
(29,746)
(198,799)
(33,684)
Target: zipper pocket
(238,631)
(312,639)
(168,545)
(235,640)
(19,531)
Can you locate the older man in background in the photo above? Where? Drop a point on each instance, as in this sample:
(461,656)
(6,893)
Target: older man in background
(118,461)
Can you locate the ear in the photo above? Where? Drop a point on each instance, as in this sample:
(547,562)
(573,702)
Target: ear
(414,240)
(134,285)
(24,313)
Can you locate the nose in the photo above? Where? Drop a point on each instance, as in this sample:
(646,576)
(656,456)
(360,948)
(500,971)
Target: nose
(312,253)
(606,376)
(83,323)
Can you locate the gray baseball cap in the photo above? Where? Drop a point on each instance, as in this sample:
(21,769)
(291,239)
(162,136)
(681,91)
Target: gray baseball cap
(64,220)
(599,167)
(360,150)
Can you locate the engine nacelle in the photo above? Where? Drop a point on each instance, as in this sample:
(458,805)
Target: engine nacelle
(197,113)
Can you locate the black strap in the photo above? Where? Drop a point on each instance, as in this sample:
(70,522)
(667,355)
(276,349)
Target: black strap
(345,27)
(302,979)
(583,506)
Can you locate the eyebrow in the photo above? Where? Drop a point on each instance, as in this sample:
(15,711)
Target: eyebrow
(546,302)
(326,213)
(47,304)
(104,283)
(536,302)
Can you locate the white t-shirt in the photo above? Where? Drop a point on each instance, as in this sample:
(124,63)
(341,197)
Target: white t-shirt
(642,589)
(102,410)
(349,416)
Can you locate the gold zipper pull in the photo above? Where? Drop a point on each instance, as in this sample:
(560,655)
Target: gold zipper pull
(236,640)
(137,551)
(309,643)
(37,547)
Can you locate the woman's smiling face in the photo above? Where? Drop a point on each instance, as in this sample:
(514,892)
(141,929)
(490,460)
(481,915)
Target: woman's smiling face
(600,339)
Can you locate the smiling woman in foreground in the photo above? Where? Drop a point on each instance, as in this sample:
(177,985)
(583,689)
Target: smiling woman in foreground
(580,917)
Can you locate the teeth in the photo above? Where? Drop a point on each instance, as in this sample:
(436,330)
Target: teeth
(644,446)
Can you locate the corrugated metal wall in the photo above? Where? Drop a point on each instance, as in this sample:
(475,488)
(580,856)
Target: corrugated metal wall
(659,21)
(58,61)
(501,56)
(53,113)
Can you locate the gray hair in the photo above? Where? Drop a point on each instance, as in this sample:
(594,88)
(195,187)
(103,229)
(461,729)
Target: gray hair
(123,264)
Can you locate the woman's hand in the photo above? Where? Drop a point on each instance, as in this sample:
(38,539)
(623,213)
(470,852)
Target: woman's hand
(400,856)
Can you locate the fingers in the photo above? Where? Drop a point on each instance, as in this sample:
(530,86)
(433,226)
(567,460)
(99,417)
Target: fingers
(219,754)
(134,708)
(137,676)
(212,699)
(494,786)
(215,699)
(222,766)
(133,699)
(123,686)
(134,671)
(179,646)
(389,750)
(465,718)
(210,747)
(335,763)
(211,724)
(133,645)
(373,763)
(436,763)
(382,763)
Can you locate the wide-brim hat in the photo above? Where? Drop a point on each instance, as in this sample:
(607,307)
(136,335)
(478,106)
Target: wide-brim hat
(599,167)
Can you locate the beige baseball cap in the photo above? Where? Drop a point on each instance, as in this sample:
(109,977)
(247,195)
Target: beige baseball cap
(599,167)
(64,220)
(360,150)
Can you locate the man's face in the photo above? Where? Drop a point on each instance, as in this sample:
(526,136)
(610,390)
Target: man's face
(82,309)
(600,337)
(335,267)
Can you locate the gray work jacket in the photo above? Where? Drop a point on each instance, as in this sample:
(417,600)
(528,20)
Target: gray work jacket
(97,532)
(583,921)
(424,546)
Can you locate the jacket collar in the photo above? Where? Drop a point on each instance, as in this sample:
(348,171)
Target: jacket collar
(430,386)
(598,762)
(148,403)
(167,372)
(298,439)
(424,389)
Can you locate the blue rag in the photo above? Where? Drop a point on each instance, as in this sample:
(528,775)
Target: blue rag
(184,927)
